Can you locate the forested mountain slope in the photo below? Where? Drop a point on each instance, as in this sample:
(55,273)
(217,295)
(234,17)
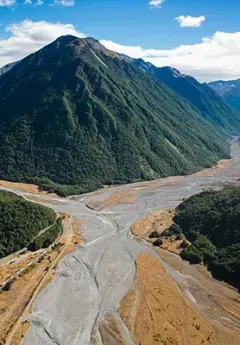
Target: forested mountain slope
(78,114)
(201,96)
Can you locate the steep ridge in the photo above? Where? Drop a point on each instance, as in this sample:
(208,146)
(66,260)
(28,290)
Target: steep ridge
(78,114)
(201,96)
(8,67)
(229,91)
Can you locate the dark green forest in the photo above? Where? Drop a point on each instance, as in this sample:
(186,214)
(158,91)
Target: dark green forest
(20,222)
(47,238)
(95,119)
(211,222)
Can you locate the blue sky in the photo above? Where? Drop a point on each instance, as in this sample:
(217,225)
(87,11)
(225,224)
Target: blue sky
(129,23)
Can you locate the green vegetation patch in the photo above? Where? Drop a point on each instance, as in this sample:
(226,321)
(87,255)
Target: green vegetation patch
(47,238)
(20,222)
(211,222)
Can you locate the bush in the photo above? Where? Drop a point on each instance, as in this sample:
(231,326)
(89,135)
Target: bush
(184,244)
(174,230)
(179,237)
(158,243)
(155,234)
(192,254)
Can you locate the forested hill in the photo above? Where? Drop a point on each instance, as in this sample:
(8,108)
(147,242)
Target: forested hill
(78,114)
(201,96)
(211,222)
(20,222)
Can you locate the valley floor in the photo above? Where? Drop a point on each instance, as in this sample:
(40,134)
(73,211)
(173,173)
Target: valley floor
(112,267)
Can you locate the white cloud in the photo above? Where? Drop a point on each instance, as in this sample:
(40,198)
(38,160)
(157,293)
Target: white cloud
(65,2)
(156,3)
(28,36)
(215,57)
(30,2)
(188,21)
(7,3)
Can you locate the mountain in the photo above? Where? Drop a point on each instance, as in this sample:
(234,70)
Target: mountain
(78,114)
(201,96)
(229,91)
(8,67)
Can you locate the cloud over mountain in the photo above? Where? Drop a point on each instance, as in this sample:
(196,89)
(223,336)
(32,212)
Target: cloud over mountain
(215,57)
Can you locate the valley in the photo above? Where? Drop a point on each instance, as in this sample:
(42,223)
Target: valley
(81,304)
(119,172)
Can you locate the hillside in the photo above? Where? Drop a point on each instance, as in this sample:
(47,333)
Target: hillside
(201,96)
(7,67)
(229,91)
(211,222)
(20,222)
(79,115)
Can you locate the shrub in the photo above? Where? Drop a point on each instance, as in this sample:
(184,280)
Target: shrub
(184,244)
(174,230)
(192,254)
(158,243)
(155,234)
(179,237)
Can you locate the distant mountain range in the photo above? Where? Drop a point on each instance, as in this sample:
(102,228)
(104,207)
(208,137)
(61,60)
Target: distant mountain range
(229,91)
(79,115)
(201,96)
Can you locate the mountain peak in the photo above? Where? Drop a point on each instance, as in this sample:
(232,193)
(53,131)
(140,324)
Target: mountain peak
(210,105)
(229,91)
(66,38)
(80,43)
